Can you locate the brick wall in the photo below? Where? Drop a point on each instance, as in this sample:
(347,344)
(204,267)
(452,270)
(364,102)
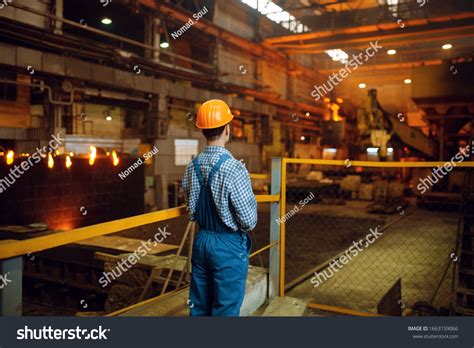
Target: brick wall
(56,196)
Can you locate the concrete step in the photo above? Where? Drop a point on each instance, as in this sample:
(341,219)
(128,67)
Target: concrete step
(176,304)
(285,307)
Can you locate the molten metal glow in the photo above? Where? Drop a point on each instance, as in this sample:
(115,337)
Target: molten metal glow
(10,156)
(68,162)
(50,161)
(92,154)
(115,159)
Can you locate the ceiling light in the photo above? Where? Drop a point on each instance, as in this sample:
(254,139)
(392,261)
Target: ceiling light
(391,52)
(307,114)
(407,81)
(164,44)
(362,85)
(447,46)
(303,138)
(109,118)
(106,21)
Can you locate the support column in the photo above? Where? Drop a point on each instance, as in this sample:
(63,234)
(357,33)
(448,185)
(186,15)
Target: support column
(59,9)
(274,262)
(11,285)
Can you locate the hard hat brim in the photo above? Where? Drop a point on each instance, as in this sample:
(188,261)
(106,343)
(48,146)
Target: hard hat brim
(223,123)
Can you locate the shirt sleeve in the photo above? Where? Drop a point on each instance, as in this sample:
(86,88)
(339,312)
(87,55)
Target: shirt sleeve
(243,200)
(187,178)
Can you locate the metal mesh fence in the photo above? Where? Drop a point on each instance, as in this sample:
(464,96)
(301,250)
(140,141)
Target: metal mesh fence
(353,232)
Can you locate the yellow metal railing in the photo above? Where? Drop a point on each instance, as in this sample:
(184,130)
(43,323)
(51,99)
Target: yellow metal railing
(23,247)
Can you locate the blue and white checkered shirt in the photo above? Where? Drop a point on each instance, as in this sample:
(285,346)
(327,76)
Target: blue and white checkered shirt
(231,189)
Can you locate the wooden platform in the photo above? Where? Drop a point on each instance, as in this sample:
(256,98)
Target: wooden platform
(129,245)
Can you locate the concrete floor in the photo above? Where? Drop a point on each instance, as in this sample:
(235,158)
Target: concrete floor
(177,304)
(416,248)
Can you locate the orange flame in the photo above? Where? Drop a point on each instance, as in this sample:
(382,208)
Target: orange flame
(92,154)
(115,159)
(50,161)
(68,162)
(10,156)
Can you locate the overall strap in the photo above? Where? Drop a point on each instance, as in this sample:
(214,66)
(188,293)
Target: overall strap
(224,157)
(197,169)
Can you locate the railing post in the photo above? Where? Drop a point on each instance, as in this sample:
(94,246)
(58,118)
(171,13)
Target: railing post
(274,264)
(11,284)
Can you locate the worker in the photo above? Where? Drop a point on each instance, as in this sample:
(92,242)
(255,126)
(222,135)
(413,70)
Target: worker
(219,197)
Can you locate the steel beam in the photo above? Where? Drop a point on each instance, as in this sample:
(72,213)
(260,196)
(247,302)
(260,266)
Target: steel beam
(410,25)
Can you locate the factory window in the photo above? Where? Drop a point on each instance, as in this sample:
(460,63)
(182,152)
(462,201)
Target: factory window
(276,14)
(329,153)
(184,151)
(373,154)
(8,91)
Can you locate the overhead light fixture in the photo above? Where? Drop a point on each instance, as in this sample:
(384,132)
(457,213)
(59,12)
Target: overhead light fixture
(164,44)
(303,138)
(447,46)
(106,21)
(362,85)
(307,114)
(391,52)
(407,81)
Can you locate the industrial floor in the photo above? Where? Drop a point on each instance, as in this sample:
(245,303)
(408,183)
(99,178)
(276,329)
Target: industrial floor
(416,249)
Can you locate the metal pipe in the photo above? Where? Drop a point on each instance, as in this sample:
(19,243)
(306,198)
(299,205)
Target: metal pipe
(48,88)
(109,35)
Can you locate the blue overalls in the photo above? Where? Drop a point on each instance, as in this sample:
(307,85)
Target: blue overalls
(220,257)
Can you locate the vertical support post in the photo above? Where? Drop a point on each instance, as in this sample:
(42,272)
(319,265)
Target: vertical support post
(11,273)
(58,12)
(441,138)
(274,263)
(282,227)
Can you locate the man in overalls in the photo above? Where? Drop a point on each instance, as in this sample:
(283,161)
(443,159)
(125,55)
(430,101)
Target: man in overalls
(219,197)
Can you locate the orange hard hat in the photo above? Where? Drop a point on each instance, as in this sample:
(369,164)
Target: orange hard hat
(214,113)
